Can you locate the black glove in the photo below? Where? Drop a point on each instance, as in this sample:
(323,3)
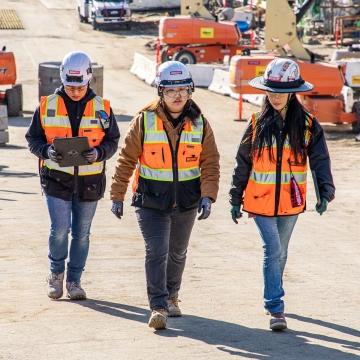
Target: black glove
(90,155)
(322,207)
(235,213)
(53,155)
(118,208)
(204,208)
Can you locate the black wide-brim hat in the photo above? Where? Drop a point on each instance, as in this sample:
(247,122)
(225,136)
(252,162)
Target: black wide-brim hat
(298,85)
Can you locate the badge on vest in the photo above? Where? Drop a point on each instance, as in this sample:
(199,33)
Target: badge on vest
(103,118)
(191,158)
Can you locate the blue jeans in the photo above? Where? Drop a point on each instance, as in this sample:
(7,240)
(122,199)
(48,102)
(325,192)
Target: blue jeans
(166,237)
(66,215)
(275,233)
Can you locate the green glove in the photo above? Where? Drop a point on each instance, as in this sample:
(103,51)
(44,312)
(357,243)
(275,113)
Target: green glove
(322,207)
(235,213)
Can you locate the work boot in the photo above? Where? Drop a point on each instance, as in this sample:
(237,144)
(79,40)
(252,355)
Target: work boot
(75,291)
(158,319)
(278,322)
(55,285)
(174,309)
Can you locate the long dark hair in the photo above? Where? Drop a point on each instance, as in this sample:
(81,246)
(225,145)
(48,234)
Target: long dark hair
(294,127)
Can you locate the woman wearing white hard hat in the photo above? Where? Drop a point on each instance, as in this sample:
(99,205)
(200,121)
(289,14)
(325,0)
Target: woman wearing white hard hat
(269,179)
(172,147)
(72,192)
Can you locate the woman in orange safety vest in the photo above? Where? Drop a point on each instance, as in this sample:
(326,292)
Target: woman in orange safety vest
(172,149)
(269,179)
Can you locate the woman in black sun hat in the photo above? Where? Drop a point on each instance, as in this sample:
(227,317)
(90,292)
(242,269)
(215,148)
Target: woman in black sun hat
(269,179)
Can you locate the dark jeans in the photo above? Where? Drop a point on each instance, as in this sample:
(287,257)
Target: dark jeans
(166,237)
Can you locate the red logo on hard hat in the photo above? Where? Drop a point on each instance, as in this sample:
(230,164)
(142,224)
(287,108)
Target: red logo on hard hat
(74,72)
(177,72)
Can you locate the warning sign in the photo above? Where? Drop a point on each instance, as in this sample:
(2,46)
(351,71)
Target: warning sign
(355,80)
(206,33)
(259,70)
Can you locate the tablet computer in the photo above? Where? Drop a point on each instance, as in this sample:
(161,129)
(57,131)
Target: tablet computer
(71,150)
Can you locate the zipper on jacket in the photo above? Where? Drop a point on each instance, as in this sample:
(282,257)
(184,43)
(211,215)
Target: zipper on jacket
(175,164)
(279,153)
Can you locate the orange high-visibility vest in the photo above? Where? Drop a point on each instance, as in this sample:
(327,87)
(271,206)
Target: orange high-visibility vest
(157,161)
(56,123)
(260,191)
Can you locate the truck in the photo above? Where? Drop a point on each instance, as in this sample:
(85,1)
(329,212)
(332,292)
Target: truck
(101,13)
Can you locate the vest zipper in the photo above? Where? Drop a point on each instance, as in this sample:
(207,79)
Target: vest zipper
(174,164)
(279,153)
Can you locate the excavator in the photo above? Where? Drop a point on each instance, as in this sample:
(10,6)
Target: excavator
(196,36)
(333,99)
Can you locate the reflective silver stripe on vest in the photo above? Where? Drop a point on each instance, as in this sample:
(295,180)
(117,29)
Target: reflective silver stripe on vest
(152,135)
(156,174)
(269,178)
(63,121)
(93,169)
(89,121)
(189,174)
(51,119)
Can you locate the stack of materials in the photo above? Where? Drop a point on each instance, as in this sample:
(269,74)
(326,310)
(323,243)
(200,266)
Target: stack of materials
(4,135)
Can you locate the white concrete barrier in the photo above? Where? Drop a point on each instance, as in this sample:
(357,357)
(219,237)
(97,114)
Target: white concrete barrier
(4,135)
(202,74)
(144,68)
(254,99)
(220,82)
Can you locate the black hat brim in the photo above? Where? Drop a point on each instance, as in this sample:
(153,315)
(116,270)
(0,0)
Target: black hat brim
(258,84)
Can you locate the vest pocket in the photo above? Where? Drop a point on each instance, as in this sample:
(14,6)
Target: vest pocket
(56,183)
(189,193)
(154,156)
(191,155)
(153,195)
(92,187)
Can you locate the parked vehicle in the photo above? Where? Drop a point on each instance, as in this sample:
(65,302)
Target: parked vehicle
(101,13)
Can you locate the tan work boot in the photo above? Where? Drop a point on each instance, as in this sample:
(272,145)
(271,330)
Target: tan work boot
(55,285)
(278,322)
(174,309)
(158,319)
(75,291)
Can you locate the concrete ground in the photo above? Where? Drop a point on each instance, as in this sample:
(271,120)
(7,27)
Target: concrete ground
(222,285)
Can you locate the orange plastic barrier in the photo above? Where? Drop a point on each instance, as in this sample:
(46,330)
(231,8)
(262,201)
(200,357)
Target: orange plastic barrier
(326,78)
(7,68)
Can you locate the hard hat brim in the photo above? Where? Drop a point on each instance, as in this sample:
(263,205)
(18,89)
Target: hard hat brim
(76,84)
(258,83)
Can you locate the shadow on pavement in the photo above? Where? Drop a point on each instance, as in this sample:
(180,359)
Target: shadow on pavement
(123,118)
(12,147)
(23,121)
(18,174)
(239,340)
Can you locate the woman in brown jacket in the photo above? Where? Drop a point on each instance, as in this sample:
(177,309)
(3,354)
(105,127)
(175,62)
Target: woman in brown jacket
(172,147)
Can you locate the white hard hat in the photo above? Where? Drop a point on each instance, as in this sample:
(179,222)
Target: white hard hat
(75,69)
(281,76)
(173,74)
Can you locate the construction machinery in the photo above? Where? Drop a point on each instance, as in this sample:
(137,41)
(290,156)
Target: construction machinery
(10,96)
(197,37)
(332,100)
